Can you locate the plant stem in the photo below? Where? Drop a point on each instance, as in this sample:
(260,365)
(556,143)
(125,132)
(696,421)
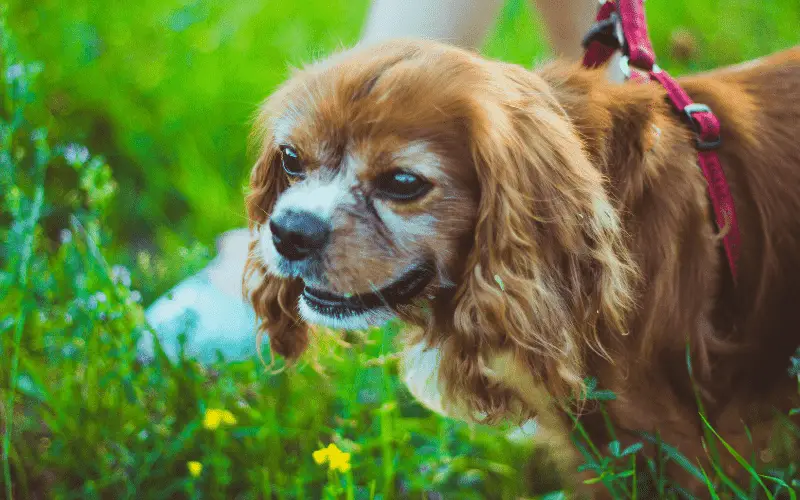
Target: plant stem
(12,383)
(351,494)
(386,431)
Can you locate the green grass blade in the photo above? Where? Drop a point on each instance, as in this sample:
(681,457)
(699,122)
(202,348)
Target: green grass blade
(744,463)
(710,485)
(780,482)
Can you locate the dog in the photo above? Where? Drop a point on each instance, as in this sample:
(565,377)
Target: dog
(534,229)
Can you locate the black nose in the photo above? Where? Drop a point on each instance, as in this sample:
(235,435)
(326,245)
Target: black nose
(296,235)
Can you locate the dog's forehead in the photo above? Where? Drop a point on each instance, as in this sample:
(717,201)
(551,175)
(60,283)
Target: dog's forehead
(329,107)
(368,96)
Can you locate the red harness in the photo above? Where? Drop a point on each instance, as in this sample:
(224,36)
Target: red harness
(622,26)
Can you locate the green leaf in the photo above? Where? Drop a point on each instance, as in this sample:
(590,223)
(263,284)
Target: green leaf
(593,480)
(603,395)
(634,448)
(555,495)
(674,455)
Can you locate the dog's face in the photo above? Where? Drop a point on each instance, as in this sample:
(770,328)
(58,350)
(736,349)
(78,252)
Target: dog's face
(373,215)
(420,180)
(380,194)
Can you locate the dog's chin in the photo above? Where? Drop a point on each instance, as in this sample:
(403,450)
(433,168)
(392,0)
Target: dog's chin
(346,320)
(363,310)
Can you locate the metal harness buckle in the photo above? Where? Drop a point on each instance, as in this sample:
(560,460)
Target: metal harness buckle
(608,32)
(702,144)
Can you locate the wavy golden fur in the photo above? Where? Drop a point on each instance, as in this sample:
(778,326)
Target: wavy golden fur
(581,242)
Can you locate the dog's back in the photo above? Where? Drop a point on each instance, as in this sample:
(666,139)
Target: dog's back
(758,105)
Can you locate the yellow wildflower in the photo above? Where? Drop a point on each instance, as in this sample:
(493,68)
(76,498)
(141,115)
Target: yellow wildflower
(214,417)
(195,468)
(320,456)
(336,458)
(228,418)
(340,462)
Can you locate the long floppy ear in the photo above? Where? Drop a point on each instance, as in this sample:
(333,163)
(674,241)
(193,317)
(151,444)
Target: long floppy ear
(549,271)
(274,299)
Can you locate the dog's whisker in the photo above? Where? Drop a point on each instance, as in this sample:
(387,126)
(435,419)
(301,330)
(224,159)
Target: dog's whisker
(243,216)
(377,291)
(259,207)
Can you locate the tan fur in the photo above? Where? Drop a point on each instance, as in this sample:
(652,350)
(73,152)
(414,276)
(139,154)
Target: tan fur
(589,248)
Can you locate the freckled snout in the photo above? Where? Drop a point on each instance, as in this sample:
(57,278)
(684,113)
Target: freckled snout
(298,235)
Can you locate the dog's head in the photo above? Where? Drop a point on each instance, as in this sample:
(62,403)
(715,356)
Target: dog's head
(416,180)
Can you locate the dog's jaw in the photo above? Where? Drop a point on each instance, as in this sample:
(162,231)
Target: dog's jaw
(356,321)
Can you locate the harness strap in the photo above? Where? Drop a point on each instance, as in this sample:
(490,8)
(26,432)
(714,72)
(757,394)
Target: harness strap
(603,38)
(623,27)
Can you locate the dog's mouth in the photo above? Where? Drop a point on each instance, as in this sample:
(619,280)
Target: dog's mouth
(400,292)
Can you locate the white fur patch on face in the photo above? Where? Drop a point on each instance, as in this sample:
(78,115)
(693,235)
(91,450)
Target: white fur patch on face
(419,157)
(319,198)
(284,125)
(405,228)
(312,195)
(361,321)
(269,255)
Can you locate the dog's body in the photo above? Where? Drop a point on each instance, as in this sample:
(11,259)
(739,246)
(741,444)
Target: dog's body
(740,335)
(570,229)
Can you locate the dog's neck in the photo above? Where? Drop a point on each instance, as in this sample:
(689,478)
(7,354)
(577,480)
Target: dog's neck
(629,131)
(646,154)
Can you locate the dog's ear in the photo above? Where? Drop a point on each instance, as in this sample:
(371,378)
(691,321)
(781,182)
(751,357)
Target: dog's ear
(548,268)
(275,300)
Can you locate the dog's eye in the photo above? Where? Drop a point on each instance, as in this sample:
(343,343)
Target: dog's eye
(291,162)
(400,185)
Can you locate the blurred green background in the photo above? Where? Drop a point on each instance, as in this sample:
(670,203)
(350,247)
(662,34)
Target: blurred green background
(164,92)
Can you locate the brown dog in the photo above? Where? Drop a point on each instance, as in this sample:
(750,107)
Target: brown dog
(537,228)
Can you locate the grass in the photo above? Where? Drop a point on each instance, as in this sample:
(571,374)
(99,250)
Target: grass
(164,91)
